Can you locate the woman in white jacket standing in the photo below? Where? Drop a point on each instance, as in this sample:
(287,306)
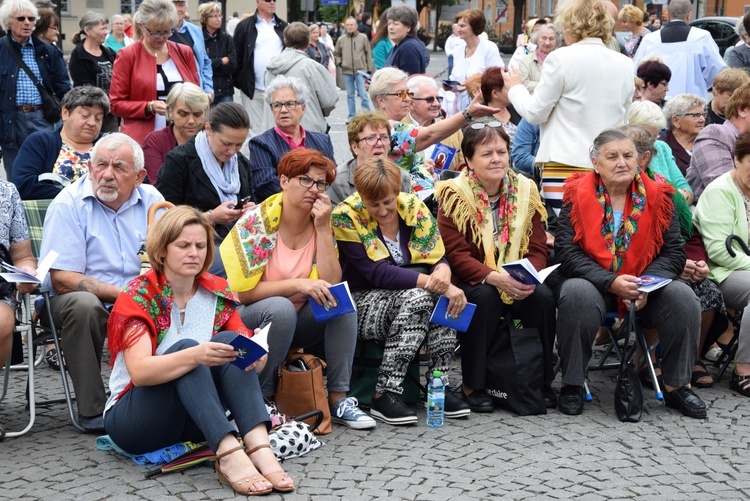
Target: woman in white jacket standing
(295,62)
(584,89)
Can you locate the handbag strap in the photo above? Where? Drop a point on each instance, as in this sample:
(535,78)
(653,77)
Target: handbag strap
(23,66)
(628,352)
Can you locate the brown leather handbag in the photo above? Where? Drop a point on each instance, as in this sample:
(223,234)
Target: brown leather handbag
(301,389)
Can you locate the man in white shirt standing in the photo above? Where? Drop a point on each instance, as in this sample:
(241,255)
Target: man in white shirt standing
(257,39)
(232,23)
(691,53)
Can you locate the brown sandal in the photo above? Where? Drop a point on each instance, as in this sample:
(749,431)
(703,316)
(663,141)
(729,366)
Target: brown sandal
(240,486)
(275,477)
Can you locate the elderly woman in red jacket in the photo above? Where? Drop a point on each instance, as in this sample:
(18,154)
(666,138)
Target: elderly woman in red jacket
(145,71)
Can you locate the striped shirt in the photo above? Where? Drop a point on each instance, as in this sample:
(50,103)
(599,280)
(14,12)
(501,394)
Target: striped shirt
(26,91)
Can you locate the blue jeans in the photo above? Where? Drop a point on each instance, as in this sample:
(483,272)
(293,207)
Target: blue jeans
(26,124)
(352,82)
(228,98)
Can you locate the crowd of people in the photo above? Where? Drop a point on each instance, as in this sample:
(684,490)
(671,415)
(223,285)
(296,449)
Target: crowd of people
(608,170)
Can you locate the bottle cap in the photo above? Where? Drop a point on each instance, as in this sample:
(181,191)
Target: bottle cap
(436,374)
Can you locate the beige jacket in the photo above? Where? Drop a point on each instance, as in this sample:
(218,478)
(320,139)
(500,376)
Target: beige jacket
(353,54)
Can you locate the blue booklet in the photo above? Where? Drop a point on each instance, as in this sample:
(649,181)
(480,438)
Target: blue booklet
(524,272)
(344,300)
(650,283)
(443,156)
(461,323)
(249,350)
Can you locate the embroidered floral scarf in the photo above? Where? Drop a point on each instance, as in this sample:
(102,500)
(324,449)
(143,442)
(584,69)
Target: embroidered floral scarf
(352,223)
(248,246)
(465,201)
(147,300)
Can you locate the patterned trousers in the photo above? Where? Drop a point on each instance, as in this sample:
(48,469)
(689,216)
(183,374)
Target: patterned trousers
(401,318)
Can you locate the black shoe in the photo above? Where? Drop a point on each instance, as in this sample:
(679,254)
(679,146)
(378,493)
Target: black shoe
(391,409)
(571,400)
(478,401)
(95,423)
(454,406)
(550,398)
(645,377)
(740,384)
(686,401)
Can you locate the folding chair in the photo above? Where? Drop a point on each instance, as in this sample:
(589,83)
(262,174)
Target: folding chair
(35,211)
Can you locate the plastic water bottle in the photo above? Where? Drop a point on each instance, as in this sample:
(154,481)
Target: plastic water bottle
(436,400)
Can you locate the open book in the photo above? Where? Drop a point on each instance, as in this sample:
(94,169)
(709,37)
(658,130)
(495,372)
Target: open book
(250,349)
(17,275)
(344,300)
(524,272)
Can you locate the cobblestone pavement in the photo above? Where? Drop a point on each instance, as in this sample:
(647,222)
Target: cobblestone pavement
(499,455)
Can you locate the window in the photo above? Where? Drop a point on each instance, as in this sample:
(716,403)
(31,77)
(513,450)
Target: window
(127,6)
(64,7)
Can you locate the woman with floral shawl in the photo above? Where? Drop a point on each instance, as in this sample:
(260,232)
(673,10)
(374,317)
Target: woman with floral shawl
(617,225)
(172,378)
(279,254)
(489,216)
(393,258)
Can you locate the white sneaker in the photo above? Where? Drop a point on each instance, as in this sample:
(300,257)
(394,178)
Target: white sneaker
(347,412)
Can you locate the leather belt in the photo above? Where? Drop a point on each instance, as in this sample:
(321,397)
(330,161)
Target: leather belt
(28,108)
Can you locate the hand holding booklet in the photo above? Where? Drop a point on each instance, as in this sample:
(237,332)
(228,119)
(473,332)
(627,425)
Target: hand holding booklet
(524,272)
(650,283)
(344,303)
(249,350)
(441,316)
(17,275)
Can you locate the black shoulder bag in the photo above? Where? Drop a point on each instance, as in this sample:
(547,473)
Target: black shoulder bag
(628,391)
(51,107)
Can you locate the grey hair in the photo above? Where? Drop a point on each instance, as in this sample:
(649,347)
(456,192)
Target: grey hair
(406,15)
(607,136)
(163,12)
(642,139)
(679,105)
(10,8)
(647,114)
(558,33)
(383,80)
(85,95)
(192,95)
(88,20)
(111,142)
(679,9)
(419,81)
(282,82)
(116,17)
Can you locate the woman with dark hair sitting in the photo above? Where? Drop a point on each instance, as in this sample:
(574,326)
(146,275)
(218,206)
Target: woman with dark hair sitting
(393,258)
(172,378)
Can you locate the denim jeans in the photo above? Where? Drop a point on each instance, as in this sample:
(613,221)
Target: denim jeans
(26,124)
(352,82)
(227,98)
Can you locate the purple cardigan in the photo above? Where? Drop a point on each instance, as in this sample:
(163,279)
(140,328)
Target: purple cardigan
(713,155)
(155,148)
(363,273)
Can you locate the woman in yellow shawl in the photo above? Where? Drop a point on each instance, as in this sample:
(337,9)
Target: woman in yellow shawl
(392,256)
(282,252)
(489,216)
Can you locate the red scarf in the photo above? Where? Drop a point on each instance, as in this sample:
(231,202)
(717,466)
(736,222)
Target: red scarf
(587,217)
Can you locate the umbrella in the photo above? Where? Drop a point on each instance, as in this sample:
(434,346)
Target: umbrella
(191,458)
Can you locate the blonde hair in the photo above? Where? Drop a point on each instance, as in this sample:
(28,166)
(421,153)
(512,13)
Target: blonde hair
(584,19)
(192,95)
(647,114)
(377,179)
(730,79)
(169,227)
(632,14)
(205,10)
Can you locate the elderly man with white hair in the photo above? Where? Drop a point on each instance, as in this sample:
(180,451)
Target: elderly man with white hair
(97,225)
(21,109)
(425,111)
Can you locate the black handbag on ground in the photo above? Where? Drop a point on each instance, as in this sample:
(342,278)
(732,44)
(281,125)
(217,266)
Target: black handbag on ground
(628,391)
(51,107)
(515,370)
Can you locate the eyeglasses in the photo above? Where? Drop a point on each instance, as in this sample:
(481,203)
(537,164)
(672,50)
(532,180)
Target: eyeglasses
(429,100)
(403,94)
(307,182)
(482,125)
(290,105)
(696,115)
(159,34)
(215,16)
(30,19)
(664,83)
(373,140)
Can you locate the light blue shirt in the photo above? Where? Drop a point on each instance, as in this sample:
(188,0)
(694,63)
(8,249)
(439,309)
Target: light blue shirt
(93,239)
(205,71)
(617,215)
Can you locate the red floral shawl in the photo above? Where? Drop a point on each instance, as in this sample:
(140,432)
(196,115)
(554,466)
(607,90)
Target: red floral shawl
(146,302)
(587,215)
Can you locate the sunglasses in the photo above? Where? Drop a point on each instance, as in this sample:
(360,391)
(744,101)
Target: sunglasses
(402,95)
(482,125)
(269,1)
(430,99)
(22,19)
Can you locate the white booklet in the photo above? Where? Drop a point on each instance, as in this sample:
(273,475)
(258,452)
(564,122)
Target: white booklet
(17,275)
